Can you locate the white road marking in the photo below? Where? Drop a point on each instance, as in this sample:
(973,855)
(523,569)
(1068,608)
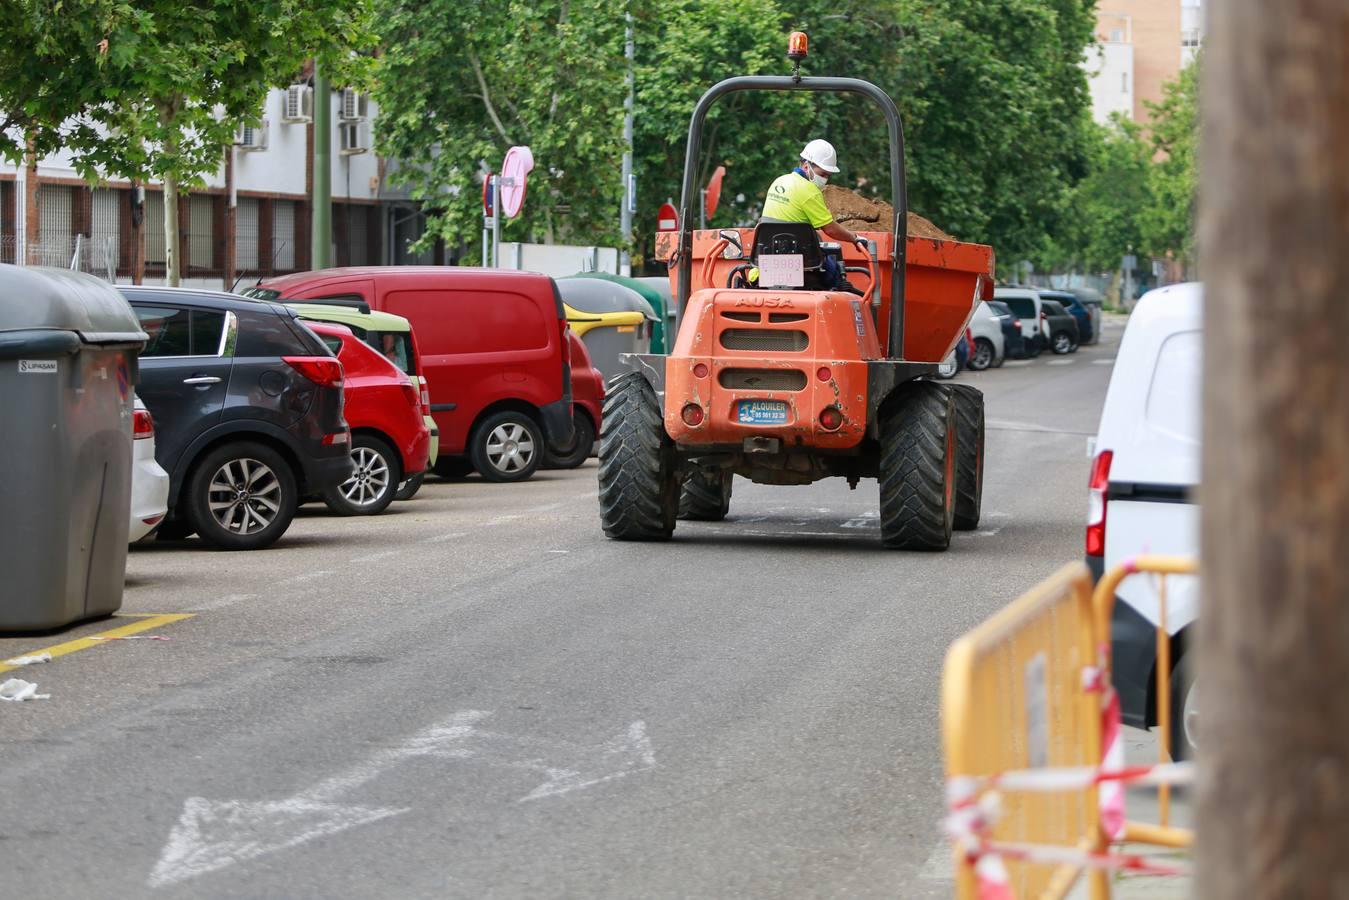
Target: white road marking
(940,864)
(211,835)
(1018,363)
(371,557)
(441,538)
(306,576)
(869,519)
(1060,362)
(559,551)
(1103,362)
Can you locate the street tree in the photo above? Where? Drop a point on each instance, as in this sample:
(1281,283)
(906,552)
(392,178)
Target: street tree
(1274,224)
(1169,219)
(167,83)
(461,82)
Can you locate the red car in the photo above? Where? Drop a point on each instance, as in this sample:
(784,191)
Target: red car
(494,351)
(389,438)
(587,394)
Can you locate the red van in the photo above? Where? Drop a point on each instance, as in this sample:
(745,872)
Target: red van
(494,350)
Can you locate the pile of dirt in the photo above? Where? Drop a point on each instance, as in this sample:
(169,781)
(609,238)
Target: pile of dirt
(858,213)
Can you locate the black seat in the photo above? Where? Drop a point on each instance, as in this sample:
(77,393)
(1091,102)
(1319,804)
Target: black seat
(777,238)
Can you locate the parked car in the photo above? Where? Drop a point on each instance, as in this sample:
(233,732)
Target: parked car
(989,343)
(149,481)
(587,389)
(393,337)
(1142,489)
(1079,312)
(1025,305)
(957,360)
(1094,303)
(494,351)
(247,406)
(1060,328)
(1013,342)
(389,438)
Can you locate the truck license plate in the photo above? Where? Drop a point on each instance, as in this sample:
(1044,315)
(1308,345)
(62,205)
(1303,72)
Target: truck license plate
(762,412)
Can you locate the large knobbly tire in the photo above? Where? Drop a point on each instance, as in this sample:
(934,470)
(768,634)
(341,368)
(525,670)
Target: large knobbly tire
(706,495)
(639,485)
(969,403)
(917,469)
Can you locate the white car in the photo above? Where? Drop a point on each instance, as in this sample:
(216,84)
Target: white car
(149,482)
(1026,305)
(1142,498)
(986,326)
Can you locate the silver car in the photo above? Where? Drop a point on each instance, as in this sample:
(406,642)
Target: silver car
(989,349)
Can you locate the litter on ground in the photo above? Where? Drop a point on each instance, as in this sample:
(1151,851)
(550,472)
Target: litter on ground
(17,690)
(31,659)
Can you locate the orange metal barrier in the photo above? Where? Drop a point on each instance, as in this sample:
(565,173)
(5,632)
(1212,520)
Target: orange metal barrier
(1013,698)
(1162,833)
(1017,695)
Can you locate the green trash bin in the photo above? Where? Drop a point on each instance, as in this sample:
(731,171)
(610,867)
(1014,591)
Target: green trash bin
(654,298)
(660,285)
(68,351)
(610,318)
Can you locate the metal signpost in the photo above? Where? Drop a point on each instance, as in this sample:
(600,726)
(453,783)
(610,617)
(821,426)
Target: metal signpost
(508,193)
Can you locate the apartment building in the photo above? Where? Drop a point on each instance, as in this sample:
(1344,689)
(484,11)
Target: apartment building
(250,220)
(1141,45)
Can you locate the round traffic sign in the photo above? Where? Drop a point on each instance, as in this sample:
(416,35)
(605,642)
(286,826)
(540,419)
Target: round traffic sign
(519,163)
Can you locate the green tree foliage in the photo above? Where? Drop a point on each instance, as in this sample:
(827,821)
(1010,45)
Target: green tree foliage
(1169,220)
(992,92)
(154,90)
(461,81)
(1103,218)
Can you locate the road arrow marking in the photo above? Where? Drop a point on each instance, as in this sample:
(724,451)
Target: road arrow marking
(214,834)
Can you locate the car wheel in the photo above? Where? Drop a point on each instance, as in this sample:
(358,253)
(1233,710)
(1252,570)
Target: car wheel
(241,496)
(452,468)
(581,447)
(375,474)
(983,355)
(409,488)
(506,446)
(1184,710)
(1061,343)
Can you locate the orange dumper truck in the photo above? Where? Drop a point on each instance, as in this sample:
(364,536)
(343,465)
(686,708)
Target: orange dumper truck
(777,378)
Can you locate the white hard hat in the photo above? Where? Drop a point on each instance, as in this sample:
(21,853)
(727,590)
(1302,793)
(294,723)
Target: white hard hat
(822,154)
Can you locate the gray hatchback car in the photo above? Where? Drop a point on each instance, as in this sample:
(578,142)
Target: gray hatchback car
(247,405)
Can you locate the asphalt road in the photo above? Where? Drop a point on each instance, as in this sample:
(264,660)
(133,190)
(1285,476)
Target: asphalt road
(478,695)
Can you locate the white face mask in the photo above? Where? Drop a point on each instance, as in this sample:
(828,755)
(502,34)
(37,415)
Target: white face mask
(820,180)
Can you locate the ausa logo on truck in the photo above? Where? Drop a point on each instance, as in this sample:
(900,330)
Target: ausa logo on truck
(773,302)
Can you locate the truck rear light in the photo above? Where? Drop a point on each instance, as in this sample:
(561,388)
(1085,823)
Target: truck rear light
(831,419)
(700,370)
(692,414)
(325,371)
(337,439)
(410,392)
(142,425)
(1096,502)
(823,373)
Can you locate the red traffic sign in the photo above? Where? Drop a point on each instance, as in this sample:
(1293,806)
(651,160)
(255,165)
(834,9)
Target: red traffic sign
(668,218)
(713,195)
(487,194)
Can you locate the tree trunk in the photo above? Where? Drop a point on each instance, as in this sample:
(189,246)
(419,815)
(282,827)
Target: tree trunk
(1273,797)
(172,276)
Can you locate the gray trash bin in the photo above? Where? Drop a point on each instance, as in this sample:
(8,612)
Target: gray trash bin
(68,351)
(613,320)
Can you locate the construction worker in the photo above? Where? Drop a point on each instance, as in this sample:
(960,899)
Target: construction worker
(798,197)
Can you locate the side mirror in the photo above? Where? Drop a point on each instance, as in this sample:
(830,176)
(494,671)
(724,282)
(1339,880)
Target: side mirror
(736,250)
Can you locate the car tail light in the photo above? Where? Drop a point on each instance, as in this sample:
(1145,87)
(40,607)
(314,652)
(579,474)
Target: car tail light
(337,439)
(566,341)
(831,419)
(692,414)
(322,370)
(153,520)
(1096,493)
(1016,323)
(410,392)
(426,398)
(142,425)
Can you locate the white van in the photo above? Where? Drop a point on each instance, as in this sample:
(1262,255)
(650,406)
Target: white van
(1142,497)
(1025,304)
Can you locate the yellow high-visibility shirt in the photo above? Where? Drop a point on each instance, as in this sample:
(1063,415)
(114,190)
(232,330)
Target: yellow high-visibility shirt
(795,198)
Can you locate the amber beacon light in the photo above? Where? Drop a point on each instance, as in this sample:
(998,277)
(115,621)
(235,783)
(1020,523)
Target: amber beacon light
(798,45)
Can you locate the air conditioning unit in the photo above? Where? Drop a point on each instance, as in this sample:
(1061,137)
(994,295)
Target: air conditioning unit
(251,137)
(354,106)
(299,106)
(352,138)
